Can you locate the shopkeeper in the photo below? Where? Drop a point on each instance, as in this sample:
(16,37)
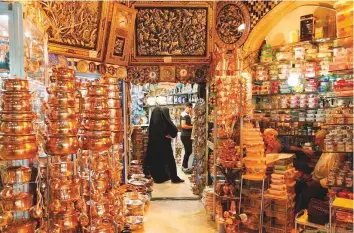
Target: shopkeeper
(316,183)
(273,145)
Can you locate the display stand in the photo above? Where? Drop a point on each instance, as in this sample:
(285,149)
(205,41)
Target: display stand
(345,206)
(302,224)
(253,200)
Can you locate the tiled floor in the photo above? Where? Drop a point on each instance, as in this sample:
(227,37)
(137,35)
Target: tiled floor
(169,189)
(177,217)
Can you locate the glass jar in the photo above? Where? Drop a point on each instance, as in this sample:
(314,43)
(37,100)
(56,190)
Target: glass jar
(329,145)
(348,146)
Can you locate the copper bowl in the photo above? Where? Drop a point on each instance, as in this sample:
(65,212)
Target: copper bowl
(57,77)
(64,84)
(113,88)
(16,127)
(113,80)
(94,104)
(96,133)
(21,226)
(114,103)
(18,151)
(62,99)
(52,89)
(16,116)
(61,114)
(66,221)
(97,90)
(95,143)
(61,145)
(62,127)
(66,192)
(100,163)
(104,114)
(19,202)
(16,175)
(91,124)
(16,105)
(15,84)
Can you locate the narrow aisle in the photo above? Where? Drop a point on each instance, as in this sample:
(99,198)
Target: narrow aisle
(168,189)
(177,217)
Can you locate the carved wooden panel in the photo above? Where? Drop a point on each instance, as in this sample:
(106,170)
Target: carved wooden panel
(121,35)
(77,28)
(171,32)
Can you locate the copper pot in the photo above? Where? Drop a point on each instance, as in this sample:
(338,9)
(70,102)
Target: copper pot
(21,226)
(17,174)
(15,84)
(16,116)
(62,127)
(63,71)
(64,189)
(114,103)
(95,143)
(61,145)
(6,218)
(16,105)
(64,85)
(18,151)
(61,169)
(116,127)
(62,99)
(113,88)
(113,80)
(57,77)
(19,202)
(100,163)
(12,139)
(101,185)
(16,127)
(117,137)
(104,114)
(114,95)
(91,124)
(53,89)
(115,113)
(66,221)
(20,95)
(97,90)
(93,104)
(97,133)
(61,114)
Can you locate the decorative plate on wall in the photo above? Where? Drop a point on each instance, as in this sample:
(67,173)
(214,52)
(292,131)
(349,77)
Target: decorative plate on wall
(78,28)
(111,70)
(152,74)
(135,75)
(232,24)
(200,74)
(167,74)
(82,66)
(183,73)
(122,72)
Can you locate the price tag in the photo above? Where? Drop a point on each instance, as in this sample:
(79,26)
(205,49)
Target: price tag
(93,53)
(167,59)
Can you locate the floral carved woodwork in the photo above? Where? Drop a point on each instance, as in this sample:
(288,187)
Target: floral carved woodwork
(229,18)
(121,35)
(180,32)
(77,28)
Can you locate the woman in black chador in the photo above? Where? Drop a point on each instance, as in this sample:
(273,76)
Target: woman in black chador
(159,158)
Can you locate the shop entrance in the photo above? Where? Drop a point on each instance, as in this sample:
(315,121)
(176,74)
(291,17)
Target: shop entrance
(175,97)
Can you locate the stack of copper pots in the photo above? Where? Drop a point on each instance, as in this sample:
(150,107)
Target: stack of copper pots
(61,143)
(96,159)
(17,142)
(116,124)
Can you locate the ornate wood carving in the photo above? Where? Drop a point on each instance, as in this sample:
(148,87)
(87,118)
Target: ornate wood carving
(121,35)
(77,28)
(170,32)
